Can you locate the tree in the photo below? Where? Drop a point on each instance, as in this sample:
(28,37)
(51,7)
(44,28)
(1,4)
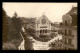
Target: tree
(5,26)
(15,15)
(52,35)
(17,23)
(30,31)
(28,44)
(11,30)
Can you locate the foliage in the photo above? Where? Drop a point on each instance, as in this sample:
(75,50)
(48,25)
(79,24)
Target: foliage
(4,25)
(41,39)
(9,46)
(52,46)
(17,23)
(13,34)
(43,36)
(30,31)
(28,44)
(11,30)
(52,35)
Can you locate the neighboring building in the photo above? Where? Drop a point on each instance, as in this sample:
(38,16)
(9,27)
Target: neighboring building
(43,26)
(69,30)
(53,28)
(56,26)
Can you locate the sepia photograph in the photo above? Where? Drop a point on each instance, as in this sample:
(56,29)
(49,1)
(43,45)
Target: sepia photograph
(39,26)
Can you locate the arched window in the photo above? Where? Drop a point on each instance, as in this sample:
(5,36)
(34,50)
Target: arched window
(43,30)
(46,31)
(40,31)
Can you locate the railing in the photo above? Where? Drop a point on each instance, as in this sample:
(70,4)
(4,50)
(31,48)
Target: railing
(65,25)
(70,35)
(67,35)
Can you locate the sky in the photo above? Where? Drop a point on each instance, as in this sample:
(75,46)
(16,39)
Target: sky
(54,11)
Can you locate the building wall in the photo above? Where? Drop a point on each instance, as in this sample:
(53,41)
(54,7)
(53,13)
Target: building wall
(74,41)
(43,27)
(67,18)
(47,24)
(66,37)
(69,39)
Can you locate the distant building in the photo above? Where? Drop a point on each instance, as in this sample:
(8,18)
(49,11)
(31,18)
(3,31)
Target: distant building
(43,26)
(69,30)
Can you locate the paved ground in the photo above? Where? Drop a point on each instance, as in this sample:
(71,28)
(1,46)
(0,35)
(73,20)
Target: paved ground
(37,45)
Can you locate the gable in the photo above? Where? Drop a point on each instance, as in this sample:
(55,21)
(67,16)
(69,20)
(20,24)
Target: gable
(41,18)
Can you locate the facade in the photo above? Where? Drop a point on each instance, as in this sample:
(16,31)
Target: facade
(43,26)
(69,30)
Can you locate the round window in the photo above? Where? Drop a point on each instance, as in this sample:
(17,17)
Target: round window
(43,21)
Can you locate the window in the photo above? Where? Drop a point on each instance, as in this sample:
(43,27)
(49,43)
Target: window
(40,31)
(65,31)
(43,21)
(45,31)
(65,23)
(69,41)
(69,22)
(65,40)
(69,32)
